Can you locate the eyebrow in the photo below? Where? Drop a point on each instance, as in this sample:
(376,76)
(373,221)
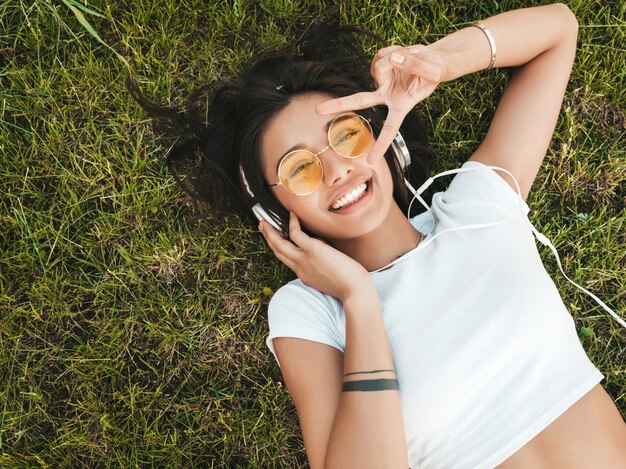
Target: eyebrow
(300,146)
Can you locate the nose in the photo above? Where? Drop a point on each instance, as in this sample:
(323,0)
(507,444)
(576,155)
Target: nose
(336,167)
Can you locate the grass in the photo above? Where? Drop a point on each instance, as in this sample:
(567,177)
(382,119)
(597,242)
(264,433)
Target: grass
(132,325)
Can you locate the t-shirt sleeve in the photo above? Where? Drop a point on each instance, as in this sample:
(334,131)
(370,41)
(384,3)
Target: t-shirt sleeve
(301,312)
(481,195)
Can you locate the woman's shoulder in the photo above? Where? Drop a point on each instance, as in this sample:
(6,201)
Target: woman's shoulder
(296,296)
(481,183)
(477,194)
(477,190)
(299,311)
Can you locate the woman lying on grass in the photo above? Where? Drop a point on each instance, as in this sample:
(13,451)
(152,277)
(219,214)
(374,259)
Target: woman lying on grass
(404,341)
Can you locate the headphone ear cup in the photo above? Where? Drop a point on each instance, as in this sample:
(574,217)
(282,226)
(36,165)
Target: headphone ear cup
(262,215)
(258,211)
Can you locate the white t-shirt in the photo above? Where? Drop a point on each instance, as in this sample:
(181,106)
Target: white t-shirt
(486,352)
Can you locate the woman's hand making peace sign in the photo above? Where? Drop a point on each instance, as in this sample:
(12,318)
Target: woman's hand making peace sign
(404,76)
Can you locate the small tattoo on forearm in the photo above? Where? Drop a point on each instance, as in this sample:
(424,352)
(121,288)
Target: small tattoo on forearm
(370,385)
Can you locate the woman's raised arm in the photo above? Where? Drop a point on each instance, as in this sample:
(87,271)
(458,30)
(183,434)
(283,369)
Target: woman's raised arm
(539,41)
(524,122)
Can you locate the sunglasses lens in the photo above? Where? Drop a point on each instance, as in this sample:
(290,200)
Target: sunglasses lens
(300,172)
(350,135)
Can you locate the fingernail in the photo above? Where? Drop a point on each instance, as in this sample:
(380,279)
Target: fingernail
(397,58)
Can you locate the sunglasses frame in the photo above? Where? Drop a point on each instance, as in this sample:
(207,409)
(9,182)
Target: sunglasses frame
(316,155)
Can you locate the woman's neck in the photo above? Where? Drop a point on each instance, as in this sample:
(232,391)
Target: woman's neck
(394,237)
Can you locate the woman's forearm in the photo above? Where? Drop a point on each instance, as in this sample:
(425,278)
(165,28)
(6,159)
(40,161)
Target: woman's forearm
(368,430)
(519,35)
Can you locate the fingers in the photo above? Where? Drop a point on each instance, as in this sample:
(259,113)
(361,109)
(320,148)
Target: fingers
(284,250)
(295,232)
(386,51)
(388,133)
(288,252)
(381,65)
(349,103)
(415,49)
(410,61)
(307,245)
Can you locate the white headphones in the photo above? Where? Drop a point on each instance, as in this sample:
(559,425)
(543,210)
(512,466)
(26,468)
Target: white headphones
(398,146)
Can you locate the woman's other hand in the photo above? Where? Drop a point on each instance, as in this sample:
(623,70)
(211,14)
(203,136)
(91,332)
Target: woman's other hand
(404,76)
(315,262)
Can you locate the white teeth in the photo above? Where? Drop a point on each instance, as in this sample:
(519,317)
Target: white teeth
(350,197)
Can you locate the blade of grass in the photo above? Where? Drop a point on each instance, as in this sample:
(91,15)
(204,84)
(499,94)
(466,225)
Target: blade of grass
(85,9)
(85,24)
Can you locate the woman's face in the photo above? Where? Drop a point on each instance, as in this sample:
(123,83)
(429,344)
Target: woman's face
(298,126)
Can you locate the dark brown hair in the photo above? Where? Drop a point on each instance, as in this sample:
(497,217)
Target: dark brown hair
(206,162)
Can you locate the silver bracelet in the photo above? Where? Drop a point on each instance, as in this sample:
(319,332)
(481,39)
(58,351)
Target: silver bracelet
(492,43)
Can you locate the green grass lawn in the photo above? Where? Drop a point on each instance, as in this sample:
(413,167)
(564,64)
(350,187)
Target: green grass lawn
(132,321)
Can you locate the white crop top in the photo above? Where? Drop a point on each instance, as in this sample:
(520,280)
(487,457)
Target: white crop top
(486,352)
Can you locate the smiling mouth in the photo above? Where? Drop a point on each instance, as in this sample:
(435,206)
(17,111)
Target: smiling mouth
(351,197)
